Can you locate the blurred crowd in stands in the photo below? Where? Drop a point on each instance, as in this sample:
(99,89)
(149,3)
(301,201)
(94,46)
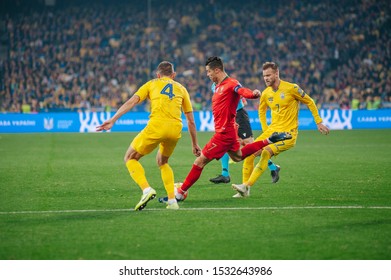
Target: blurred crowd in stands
(93,55)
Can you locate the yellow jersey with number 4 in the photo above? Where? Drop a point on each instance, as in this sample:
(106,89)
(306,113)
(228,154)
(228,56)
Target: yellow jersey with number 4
(284,104)
(168,99)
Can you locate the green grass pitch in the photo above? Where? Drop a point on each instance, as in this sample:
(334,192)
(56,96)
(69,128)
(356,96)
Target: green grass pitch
(69,196)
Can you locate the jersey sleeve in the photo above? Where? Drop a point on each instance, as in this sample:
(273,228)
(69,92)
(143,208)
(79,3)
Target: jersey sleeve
(307,100)
(186,105)
(245,92)
(143,91)
(262,112)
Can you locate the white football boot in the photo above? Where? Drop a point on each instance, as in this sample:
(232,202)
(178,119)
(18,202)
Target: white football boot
(242,189)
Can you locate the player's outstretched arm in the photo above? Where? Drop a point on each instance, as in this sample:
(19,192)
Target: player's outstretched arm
(107,125)
(126,107)
(193,133)
(247,93)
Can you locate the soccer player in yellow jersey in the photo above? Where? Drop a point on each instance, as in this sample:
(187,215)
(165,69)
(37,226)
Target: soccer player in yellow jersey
(168,99)
(283,99)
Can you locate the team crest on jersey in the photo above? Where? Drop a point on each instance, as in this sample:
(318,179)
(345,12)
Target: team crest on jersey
(282,95)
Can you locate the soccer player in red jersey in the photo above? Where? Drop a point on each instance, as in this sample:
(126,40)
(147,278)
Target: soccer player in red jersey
(227,94)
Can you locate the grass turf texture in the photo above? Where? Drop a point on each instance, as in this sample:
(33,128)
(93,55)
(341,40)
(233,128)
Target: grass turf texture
(61,172)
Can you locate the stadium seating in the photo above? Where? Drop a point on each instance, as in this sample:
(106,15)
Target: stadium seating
(94,55)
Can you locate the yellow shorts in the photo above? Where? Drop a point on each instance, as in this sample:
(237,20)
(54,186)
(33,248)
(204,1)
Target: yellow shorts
(279,146)
(166,134)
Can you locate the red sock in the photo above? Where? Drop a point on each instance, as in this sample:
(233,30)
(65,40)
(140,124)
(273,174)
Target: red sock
(191,178)
(249,149)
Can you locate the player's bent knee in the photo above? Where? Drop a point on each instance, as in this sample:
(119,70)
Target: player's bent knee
(201,161)
(236,158)
(267,152)
(132,154)
(161,162)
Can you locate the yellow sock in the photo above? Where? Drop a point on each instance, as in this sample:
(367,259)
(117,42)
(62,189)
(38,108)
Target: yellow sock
(168,180)
(259,168)
(136,171)
(248,166)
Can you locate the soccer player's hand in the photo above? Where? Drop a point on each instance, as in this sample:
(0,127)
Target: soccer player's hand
(323,129)
(107,125)
(196,150)
(257,93)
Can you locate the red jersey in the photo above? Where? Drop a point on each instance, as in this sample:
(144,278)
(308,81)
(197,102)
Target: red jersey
(225,102)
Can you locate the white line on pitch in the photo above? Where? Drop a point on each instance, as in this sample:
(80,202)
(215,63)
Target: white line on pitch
(197,209)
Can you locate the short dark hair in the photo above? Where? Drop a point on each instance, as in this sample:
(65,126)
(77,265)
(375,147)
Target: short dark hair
(165,68)
(271,65)
(215,62)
